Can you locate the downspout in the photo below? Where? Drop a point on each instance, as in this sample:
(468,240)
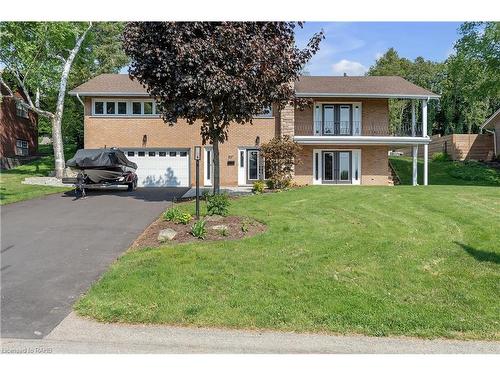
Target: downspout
(83,104)
(80,100)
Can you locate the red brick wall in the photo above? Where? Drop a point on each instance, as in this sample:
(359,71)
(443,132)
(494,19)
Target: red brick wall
(13,127)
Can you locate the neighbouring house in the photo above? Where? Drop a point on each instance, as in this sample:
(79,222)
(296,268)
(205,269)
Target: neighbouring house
(18,131)
(345,134)
(492,125)
(460,146)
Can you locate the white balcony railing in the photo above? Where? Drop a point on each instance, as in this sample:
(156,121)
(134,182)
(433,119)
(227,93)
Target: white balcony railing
(355,128)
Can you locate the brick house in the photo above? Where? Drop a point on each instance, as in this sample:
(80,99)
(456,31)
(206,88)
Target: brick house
(345,135)
(18,130)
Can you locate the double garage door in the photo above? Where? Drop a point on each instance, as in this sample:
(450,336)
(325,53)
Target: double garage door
(161,167)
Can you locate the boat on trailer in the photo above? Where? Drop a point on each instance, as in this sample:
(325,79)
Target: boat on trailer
(101,168)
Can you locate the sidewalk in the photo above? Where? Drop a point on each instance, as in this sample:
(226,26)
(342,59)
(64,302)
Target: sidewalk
(78,335)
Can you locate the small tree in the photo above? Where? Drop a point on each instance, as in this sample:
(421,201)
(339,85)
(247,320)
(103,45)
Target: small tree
(216,72)
(281,156)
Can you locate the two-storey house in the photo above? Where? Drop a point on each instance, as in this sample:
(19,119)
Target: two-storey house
(345,134)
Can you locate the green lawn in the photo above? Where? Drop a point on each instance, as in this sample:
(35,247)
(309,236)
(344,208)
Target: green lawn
(416,261)
(11,188)
(447,172)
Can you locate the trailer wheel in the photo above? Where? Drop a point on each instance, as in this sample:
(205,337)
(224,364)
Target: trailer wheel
(132,186)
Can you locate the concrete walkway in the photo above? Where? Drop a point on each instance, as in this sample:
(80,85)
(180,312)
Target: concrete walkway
(78,335)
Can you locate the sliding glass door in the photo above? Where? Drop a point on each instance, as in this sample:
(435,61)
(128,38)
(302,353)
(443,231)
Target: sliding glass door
(337,167)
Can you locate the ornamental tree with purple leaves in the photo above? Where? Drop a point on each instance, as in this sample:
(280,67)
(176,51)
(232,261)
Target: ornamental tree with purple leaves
(217,72)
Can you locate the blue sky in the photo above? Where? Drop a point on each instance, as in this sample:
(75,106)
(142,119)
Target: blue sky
(352,47)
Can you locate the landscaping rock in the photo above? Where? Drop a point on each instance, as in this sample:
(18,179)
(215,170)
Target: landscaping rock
(214,218)
(220,227)
(166,235)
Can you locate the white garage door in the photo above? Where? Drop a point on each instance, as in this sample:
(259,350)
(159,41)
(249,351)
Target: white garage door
(160,167)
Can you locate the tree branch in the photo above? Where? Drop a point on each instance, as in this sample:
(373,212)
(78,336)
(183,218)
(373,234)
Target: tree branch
(28,105)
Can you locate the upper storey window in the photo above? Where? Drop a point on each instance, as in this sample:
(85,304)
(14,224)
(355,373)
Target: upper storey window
(134,107)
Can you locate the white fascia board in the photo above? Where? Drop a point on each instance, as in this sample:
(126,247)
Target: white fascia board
(361,140)
(488,121)
(100,94)
(381,96)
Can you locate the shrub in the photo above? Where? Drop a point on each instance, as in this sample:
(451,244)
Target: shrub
(280,155)
(245,225)
(218,204)
(177,216)
(440,156)
(199,229)
(258,187)
(224,232)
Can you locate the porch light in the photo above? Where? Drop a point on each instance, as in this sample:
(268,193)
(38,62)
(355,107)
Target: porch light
(144,139)
(257,141)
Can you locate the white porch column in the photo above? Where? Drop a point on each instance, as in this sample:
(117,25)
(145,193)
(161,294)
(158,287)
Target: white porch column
(426,146)
(413,119)
(415,170)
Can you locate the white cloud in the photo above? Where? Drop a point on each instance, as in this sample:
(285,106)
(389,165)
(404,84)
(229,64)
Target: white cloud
(351,68)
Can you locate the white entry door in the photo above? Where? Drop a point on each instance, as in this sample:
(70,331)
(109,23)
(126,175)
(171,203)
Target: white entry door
(160,167)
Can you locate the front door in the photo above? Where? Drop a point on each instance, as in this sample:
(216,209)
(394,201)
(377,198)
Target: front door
(337,167)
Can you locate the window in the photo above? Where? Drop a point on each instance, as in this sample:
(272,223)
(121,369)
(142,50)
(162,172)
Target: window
(136,108)
(266,113)
(162,153)
(99,108)
(152,153)
(316,170)
(21,111)
(130,153)
(148,108)
(209,164)
(141,153)
(184,154)
(173,154)
(110,108)
(122,108)
(242,159)
(21,147)
(253,165)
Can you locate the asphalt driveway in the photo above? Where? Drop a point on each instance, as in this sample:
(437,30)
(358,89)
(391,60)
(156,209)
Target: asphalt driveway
(54,247)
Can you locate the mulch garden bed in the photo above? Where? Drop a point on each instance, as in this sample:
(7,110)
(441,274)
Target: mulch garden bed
(237,228)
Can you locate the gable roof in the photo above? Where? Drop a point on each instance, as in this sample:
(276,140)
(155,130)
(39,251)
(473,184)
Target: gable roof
(490,123)
(362,86)
(306,86)
(112,85)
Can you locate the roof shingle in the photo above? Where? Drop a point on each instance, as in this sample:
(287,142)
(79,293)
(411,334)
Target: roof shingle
(367,86)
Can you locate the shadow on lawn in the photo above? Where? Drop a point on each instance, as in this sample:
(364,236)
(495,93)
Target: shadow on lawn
(480,255)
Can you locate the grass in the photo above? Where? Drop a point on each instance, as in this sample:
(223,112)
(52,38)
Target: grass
(416,261)
(448,172)
(11,188)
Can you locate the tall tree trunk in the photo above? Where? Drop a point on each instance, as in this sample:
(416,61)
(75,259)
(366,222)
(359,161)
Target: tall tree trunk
(57,139)
(215,146)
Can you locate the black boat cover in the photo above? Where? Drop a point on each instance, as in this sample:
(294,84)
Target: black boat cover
(100,158)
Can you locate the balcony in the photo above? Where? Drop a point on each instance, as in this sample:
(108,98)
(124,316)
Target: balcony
(355,128)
